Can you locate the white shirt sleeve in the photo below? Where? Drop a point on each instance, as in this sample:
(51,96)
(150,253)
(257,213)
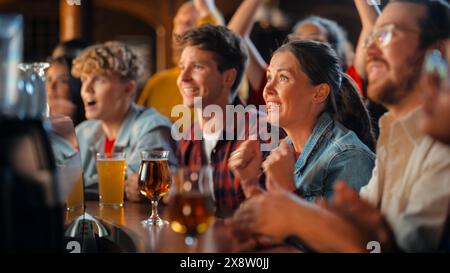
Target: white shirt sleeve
(420,223)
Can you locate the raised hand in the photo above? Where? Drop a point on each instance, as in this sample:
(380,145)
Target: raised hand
(245,162)
(279,169)
(204,7)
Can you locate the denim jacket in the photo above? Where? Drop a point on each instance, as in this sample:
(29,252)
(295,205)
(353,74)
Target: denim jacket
(142,129)
(331,153)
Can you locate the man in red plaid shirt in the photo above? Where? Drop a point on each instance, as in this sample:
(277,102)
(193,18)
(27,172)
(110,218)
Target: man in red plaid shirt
(212,63)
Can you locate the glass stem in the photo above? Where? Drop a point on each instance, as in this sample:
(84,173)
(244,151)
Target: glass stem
(154,210)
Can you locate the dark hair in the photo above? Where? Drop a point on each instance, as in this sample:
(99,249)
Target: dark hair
(227,47)
(336,36)
(320,63)
(74,86)
(435,25)
(70,48)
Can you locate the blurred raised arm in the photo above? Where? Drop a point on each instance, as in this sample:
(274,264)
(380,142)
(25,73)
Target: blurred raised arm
(242,23)
(208,12)
(368,15)
(205,7)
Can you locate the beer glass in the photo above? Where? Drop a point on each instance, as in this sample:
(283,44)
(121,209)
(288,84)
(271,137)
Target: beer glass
(111,169)
(75,198)
(113,215)
(154,181)
(191,206)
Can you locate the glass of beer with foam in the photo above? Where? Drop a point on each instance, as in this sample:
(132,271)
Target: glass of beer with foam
(111,169)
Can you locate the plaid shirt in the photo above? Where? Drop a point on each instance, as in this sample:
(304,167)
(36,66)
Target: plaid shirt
(227,188)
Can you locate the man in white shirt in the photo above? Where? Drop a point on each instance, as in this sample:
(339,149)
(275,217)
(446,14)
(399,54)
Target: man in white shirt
(411,179)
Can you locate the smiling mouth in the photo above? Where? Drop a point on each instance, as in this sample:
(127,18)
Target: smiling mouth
(190,90)
(273,106)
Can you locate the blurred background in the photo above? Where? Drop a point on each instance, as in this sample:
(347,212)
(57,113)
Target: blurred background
(146,24)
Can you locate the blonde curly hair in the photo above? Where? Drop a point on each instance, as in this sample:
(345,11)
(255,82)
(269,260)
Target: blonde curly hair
(112,56)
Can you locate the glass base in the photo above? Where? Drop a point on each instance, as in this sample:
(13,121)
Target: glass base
(190,241)
(112,205)
(154,222)
(74,208)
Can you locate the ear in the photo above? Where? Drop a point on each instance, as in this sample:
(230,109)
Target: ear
(321,93)
(229,76)
(130,87)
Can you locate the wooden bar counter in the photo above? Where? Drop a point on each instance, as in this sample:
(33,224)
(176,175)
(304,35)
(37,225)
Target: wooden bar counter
(218,238)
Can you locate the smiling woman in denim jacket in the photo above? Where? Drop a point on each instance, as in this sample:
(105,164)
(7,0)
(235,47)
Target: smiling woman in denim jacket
(328,127)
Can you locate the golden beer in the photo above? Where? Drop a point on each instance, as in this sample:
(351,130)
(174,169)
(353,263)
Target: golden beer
(111,178)
(113,215)
(154,181)
(154,178)
(191,213)
(76,196)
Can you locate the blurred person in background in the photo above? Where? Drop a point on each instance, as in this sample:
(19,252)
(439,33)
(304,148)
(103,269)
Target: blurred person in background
(311,28)
(70,48)
(161,91)
(114,123)
(63,90)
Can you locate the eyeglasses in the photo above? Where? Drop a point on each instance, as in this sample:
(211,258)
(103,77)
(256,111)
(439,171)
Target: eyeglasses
(383,36)
(436,67)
